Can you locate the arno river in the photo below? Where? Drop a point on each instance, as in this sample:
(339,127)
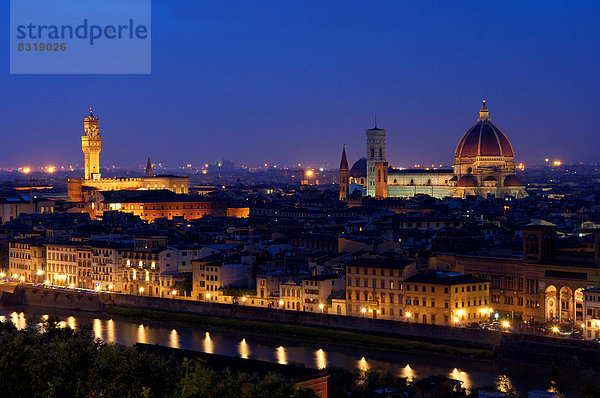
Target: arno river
(473,373)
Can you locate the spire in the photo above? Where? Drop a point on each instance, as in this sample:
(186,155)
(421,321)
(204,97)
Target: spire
(91,113)
(375,119)
(149,172)
(484,114)
(344,161)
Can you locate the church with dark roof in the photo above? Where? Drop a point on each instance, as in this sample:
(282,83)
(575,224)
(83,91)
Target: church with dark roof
(484,165)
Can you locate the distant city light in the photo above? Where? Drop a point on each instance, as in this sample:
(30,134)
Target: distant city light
(309,173)
(26,170)
(321,169)
(51,169)
(557,163)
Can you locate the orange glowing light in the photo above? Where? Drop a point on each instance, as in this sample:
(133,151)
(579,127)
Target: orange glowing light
(309,173)
(26,170)
(557,163)
(51,169)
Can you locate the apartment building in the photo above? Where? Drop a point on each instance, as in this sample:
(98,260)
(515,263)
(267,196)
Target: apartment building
(143,265)
(26,260)
(62,261)
(591,313)
(374,286)
(443,298)
(319,290)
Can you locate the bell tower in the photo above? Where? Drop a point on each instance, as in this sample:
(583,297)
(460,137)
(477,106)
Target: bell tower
(344,176)
(91,144)
(375,154)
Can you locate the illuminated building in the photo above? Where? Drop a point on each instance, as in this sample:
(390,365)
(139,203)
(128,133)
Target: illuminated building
(375,157)
(91,144)
(316,289)
(447,298)
(210,275)
(484,164)
(544,285)
(84,267)
(142,266)
(392,289)
(26,258)
(62,263)
(591,313)
(150,205)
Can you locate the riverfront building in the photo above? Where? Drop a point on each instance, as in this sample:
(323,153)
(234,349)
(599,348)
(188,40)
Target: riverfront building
(394,289)
(545,284)
(144,264)
(26,259)
(591,313)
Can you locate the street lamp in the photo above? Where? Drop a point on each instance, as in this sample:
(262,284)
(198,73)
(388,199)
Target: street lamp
(321,306)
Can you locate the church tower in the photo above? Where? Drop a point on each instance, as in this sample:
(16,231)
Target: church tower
(91,143)
(149,171)
(344,173)
(375,154)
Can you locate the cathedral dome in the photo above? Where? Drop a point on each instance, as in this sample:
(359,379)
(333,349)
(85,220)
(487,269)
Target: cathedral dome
(467,181)
(359,169)
(513,181)
(484,139)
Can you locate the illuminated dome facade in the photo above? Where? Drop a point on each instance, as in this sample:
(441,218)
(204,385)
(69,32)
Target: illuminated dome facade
(485,155)
(484,150)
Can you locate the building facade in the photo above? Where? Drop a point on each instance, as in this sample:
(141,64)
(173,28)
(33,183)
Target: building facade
(545,284)
(484,164)
(91,145)
(26,260)
(591,313)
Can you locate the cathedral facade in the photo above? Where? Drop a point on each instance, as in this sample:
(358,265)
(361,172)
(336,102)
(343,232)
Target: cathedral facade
(484,164)
(91,145)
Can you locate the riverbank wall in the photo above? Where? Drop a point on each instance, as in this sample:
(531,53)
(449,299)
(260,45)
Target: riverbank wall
(508,346)
(65,299)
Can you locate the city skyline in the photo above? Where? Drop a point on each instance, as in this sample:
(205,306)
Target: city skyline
(246,83)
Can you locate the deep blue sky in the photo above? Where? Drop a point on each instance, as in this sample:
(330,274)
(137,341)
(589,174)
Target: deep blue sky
(291,81)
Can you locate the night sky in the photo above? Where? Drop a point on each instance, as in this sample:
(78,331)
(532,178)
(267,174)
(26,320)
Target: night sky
(285,82)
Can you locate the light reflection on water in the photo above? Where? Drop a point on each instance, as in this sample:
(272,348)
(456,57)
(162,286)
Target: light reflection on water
(208,344)
(281,355)
(408,372)
(173,339)
(243,349)
(462,376)
(128,332)
(321,359)
(362,364)
(141,334)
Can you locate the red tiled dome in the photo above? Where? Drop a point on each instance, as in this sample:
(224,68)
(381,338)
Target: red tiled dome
(467,181)
(484,139)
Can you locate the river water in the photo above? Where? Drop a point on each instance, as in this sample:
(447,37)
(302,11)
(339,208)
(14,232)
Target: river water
(473,373)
